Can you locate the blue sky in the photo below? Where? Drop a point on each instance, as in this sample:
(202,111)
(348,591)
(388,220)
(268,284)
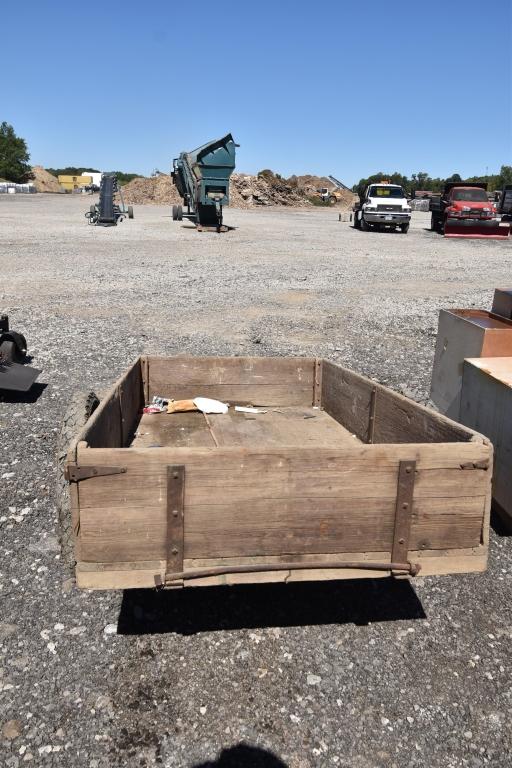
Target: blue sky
(326,87)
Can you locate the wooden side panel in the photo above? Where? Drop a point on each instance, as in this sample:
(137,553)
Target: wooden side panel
(131,396)
(104,429)
(346,396)
(486,405)
(351,399)
(291,501)
(400,420)
(113,421)
(257,380)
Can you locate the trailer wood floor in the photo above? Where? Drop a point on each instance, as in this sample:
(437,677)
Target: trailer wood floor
(290,426)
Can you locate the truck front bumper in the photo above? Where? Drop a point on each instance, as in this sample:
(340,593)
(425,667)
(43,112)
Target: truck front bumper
(385,217)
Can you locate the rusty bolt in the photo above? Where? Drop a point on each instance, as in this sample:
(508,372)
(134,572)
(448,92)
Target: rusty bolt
(408,470)
(405,505)
(175,513)
(401,541)
(174,551)
(175,475)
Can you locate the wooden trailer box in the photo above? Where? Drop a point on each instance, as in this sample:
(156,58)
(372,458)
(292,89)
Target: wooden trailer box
(464,333)
(486,405)
(338,478)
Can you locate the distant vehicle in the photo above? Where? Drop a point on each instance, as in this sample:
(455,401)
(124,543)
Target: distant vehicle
(327,195)
(382,206)
(503,200)
(463,210)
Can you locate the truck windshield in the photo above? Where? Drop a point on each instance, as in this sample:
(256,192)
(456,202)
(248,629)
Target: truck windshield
(470,195)
(386,192)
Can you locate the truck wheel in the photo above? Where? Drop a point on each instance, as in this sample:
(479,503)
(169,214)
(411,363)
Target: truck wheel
(130,212)
(357,223)
(364,225)
(404,228)
(80,408)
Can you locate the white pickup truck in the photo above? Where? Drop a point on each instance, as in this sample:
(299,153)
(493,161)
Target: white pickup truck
(382,205)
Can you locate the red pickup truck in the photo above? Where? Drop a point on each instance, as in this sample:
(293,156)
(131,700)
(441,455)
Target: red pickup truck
(464,210)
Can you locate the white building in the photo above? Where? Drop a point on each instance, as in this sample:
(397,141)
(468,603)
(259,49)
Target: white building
(96,177)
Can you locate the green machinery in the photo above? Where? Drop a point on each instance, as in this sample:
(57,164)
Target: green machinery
(202,180)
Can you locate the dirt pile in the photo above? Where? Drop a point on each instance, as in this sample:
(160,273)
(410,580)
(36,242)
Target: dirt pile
(251,191)
(310,184)
(44,181)
(246,191)
(157,190)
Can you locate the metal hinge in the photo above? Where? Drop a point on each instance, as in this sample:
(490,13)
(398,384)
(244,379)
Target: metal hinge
(74,473)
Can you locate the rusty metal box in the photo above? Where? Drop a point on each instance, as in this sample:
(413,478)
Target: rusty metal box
(464,333)
(486,405)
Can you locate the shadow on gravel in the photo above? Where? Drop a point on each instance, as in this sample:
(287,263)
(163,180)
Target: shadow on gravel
(244,756)
(208,609)
(34,393)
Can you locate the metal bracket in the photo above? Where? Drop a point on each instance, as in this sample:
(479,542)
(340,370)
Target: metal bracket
(371,418)
(175,517)
(74,474)
(317,383)
(403,511)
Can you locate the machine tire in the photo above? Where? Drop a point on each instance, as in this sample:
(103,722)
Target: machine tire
(179,213)
(80,408)
(8,351)
(404,228)
(332,200)
(130,212)
(364,225)
(92,210)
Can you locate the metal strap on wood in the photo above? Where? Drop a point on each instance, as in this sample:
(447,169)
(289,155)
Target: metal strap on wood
(317,383)
(175,518)
(371,419)
(75,474)
(403,511)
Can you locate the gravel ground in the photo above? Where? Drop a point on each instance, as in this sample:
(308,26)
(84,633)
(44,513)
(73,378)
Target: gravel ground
(356,675)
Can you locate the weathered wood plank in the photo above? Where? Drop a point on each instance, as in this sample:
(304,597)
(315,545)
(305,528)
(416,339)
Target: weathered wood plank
(259,380)
(104,429)
(178,430)
(133,575)
(298,426)
(400,420)
(131,397)
(346,396)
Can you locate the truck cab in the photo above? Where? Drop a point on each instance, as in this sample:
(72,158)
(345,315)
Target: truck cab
(383,206)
